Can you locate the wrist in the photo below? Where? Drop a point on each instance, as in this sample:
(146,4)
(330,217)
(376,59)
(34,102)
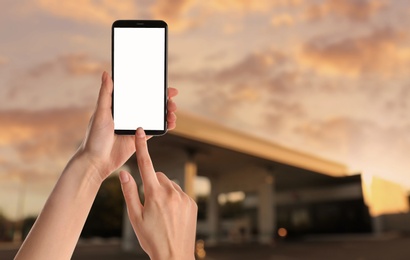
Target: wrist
(86,168)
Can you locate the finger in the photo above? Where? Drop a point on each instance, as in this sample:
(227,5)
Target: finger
(171,121)
(148,176)
(176,186)
(165,181)
(131,196)
(172,106)
(172,92)
(104,97)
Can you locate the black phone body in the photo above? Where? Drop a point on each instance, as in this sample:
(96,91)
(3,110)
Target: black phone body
(139,72)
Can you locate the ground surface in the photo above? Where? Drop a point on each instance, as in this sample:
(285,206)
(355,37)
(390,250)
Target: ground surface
(356,249)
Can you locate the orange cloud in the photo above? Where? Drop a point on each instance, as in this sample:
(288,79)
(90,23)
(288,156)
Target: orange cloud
(3,60)
(49,133)
(91,11)
(187,14)
(356,10)
(253,66)
(81,64)
(176,14)
(64,81)
(363,145)
(232,28)
(379,52)
(35,147)
(259,84)
(249,5)
(75,64)
(331,135)
(258,71)
(171,10)
(283,20)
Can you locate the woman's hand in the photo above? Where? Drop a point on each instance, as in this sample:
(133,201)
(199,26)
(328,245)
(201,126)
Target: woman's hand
(166,224)
(58,227)
(103,149)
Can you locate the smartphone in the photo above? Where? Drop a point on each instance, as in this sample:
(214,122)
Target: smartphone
(139,73)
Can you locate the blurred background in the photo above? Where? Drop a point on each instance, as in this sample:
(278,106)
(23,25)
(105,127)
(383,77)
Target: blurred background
(293,118)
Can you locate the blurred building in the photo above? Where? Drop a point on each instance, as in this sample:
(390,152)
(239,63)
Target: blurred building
(282,192)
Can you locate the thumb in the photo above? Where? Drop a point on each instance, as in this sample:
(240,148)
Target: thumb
(130,191)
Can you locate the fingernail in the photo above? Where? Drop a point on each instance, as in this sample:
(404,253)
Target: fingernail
(140,132)
(124,177)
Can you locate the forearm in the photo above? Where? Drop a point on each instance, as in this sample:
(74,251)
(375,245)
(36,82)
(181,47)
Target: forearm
(58,227)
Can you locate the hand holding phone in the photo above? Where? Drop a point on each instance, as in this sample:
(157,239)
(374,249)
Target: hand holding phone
(139,71)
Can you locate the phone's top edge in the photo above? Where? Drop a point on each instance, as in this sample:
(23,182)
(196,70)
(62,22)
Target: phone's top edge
(139,23)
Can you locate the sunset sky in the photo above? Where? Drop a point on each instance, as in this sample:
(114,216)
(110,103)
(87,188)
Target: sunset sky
(328,77)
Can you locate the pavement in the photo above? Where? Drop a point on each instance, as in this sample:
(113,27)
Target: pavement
(396,247)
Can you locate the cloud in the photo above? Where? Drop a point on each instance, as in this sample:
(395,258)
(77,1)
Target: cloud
(279,115)
(249,5)
(70,80)
(34,149)
(232,28)
(256,90)
(381,51)
(43,133)
(75,64)
(37,145)
(253,66)
(333,132)
(280,106)
(362,144)
(282,20)
(3,60)
(171,11)
(178,14)
(399,104)
(183,15)
(268,70)
(354,10)
(90,11)
(219,55)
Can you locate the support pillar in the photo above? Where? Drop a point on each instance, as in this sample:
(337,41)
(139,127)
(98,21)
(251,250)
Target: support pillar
(213,213)
(189,178)
(266,211)
(377,225)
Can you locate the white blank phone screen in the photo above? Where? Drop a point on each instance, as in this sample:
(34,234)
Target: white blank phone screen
(139,71)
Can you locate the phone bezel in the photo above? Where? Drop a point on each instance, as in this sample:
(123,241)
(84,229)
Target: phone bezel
(141,24)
